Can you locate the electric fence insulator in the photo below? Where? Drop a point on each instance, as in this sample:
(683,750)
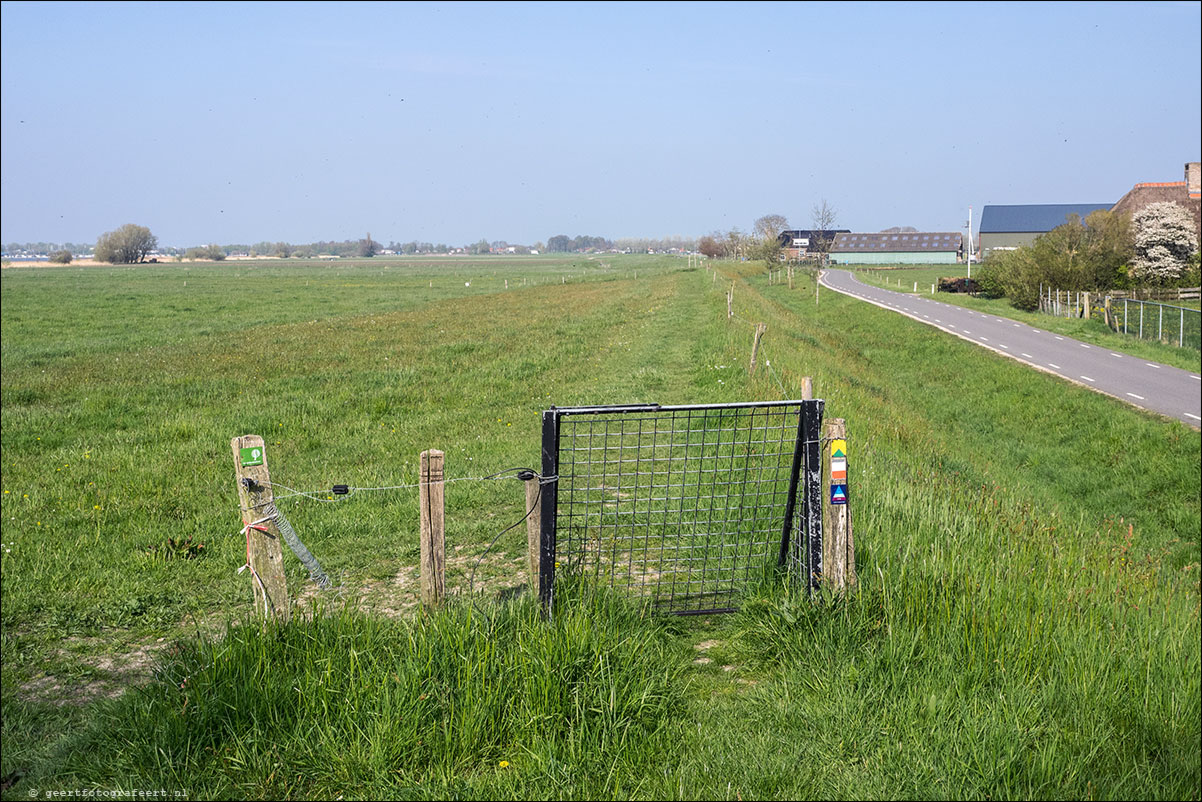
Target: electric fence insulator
(341,490)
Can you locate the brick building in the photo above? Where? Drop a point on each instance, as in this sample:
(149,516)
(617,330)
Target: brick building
(1187,194)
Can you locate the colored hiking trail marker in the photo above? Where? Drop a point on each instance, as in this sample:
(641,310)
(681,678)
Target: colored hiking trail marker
(838,470)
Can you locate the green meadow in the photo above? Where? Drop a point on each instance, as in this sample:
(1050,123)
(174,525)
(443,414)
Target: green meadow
(1027,621)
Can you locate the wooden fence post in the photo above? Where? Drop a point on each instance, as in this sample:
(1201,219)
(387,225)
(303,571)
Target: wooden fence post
(730,298)
(433,544)
(533,531)
(838,545)
(760,328)
(807,388)
(265,557)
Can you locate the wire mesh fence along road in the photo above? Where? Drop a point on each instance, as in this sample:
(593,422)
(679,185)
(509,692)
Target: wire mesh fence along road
(1149,320)
(685,505)
(1146,320)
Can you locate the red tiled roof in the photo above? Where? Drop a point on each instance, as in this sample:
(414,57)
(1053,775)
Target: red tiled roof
(1161,184)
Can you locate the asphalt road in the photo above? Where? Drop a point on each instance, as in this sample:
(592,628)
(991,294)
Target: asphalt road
(1159,388)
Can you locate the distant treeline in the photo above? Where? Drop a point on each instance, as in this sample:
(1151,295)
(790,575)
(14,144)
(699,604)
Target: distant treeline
(44,248)
(352,248)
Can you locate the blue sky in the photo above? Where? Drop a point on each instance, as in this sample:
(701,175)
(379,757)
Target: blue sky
(231,122)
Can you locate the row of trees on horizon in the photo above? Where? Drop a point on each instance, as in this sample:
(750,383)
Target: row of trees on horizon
(136,243)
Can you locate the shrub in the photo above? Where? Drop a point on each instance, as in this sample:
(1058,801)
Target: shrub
(127,245)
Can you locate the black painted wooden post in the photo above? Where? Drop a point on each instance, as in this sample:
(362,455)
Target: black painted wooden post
(809,542)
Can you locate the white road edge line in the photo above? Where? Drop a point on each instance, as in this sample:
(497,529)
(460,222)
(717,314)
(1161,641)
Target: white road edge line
(1035,365)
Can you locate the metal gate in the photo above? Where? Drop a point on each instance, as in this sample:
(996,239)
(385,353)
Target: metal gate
(681,505)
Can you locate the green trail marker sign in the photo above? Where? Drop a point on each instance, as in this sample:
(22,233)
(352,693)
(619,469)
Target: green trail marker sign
(251,456)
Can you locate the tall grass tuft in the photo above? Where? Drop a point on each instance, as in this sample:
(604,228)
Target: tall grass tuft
(992,652)
(480,700)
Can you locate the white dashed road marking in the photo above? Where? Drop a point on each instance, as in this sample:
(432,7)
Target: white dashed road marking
(923,312)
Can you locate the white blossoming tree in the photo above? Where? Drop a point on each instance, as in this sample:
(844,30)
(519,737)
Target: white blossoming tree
(1165,240)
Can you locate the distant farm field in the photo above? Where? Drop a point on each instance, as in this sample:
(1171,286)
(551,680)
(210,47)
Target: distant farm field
(1026,625)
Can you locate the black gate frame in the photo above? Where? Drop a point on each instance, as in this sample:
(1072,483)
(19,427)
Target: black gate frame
(800,551)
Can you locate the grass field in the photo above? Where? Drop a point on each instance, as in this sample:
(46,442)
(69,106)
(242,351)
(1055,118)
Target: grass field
(1027,623)
(1090,331)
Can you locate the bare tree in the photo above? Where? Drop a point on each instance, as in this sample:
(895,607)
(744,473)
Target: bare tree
(770,225)
(823,218)
(736,245)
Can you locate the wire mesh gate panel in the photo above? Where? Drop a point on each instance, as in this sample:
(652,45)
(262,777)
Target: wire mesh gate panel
(681,505)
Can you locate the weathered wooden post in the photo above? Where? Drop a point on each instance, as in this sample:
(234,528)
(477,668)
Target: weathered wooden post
(534,529)
(1085,307)
(730,299)
(760,328)
(433,544)
(839,552)
(807,388)
(264,556)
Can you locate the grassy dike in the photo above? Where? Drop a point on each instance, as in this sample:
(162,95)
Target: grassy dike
(1027,622)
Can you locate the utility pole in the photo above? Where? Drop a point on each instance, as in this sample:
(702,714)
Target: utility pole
(970,244)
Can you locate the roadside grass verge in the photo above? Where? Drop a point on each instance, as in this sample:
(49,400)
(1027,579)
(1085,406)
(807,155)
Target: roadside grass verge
(1091,331)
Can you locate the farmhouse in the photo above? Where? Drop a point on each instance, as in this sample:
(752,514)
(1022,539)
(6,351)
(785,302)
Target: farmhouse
(908,248)
(1009,227)
(800,243)
(1187,194)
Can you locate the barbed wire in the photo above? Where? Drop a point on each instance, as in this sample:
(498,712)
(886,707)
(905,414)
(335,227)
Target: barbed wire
(339,493)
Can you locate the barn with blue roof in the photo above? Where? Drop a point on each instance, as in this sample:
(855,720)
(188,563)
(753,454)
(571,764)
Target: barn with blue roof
(1009,227)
